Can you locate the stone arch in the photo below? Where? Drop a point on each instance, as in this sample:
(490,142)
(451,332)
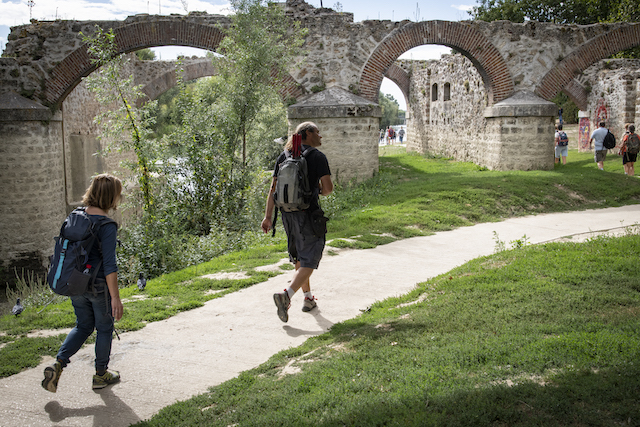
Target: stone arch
(460,36)
(558,78)
(130,37)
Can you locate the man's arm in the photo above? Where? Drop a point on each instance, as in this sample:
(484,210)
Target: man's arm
(326,186)
(267,222)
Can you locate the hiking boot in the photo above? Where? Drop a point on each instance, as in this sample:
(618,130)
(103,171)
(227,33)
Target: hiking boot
(283,302)
(51,377)
(309,304)
(109,377)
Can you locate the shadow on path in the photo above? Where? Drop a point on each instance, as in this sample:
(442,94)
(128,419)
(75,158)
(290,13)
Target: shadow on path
(114,412)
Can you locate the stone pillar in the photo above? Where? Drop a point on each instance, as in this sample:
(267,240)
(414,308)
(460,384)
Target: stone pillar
(349,126)
(521,133)
(33,187)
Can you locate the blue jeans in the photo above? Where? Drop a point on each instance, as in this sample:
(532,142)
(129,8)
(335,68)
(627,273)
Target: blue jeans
(91,312)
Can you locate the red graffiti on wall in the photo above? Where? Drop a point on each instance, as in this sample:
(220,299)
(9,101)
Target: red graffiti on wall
(601,112)
(584,134)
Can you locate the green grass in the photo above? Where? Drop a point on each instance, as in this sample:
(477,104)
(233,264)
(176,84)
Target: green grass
(537,336)
(411,196)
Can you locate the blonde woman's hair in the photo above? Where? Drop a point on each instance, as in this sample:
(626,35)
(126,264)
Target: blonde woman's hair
(302,130)
(104,192)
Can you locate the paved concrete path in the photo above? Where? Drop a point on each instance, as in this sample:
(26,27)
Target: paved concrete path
(209,345)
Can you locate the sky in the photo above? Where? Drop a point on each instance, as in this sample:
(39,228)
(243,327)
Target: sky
(19,12)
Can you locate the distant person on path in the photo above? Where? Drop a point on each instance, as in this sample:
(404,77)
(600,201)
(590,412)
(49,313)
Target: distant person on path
(562,145)
(95,310)
(630,144)
(390,134)
(401,134)
(304,246)
(597,138)
(381,135)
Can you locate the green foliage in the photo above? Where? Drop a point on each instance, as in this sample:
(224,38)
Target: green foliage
(32,290)
(561,12)
(391,114)
(218,137)
(167,111)
(569,108)
(258,47)
(530,337)
(17,355)
(146,54)
(125,126)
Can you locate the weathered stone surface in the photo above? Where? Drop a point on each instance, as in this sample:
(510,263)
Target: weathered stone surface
(349,128)
(14,107)
(522,104)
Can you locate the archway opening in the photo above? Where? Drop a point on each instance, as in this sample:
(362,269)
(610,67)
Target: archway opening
(170,53)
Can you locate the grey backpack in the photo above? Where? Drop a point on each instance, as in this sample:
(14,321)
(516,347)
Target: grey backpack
(293,192)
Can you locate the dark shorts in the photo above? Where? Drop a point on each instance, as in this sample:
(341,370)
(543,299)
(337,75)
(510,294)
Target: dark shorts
(629,158)
(302,244)
(601,155)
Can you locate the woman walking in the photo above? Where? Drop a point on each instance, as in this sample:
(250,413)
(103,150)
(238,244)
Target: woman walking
(100,306)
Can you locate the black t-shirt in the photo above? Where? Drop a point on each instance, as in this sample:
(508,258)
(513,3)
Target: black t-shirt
(317,167)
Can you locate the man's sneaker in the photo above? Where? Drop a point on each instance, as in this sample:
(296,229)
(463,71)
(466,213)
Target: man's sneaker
(309,304)
(109,377)
(283,303)
(51,377)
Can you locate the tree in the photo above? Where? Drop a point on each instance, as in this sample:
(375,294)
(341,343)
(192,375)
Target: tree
(257,48)
(124,125)
(146,55)
(390,110)
(558,11)
(226,125)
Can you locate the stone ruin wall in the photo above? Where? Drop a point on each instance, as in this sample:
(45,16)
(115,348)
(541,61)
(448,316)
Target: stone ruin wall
(350,145)
(31,206)
(614,84)
(455,127)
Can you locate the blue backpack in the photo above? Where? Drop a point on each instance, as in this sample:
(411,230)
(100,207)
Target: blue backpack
(563,139)
(69,274)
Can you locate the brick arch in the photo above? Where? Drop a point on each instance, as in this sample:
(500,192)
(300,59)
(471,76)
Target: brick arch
(130,37)
(289,88)
(624,37)
(400,77)
(460,36)
(166,81)
(577,93)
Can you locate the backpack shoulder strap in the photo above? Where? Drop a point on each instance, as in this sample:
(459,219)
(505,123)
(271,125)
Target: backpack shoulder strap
(307,151)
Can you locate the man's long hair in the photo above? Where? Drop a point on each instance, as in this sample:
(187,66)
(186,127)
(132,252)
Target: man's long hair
(302,130)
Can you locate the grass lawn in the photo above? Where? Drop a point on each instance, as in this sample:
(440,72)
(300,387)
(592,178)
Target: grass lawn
(411,195)
(537,336)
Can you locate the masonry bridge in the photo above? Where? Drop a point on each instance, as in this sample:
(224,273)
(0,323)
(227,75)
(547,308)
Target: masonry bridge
(44,136)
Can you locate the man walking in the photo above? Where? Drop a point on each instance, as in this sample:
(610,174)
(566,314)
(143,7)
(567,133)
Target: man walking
(597,137)
(304,245)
